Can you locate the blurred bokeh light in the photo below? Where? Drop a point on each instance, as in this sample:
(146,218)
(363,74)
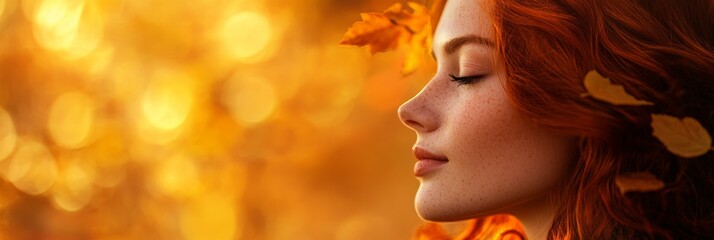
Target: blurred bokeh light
(200,119)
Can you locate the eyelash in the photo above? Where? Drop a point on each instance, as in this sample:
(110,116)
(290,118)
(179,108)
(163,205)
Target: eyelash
(465,79)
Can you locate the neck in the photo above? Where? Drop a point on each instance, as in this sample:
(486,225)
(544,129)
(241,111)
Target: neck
(536,215)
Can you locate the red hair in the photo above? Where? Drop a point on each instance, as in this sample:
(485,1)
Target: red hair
(661,51)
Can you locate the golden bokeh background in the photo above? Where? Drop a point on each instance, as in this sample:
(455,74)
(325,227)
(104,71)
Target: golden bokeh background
(200,119)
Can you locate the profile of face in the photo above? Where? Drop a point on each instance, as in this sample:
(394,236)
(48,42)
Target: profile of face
(495,159)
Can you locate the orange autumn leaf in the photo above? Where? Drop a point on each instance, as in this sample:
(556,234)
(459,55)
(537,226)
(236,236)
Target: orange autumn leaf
(394,28)
(415,54)
(414,21)
(638,182)
(377,32)
(431,231)
(602,89)
(499,226)
(686,137)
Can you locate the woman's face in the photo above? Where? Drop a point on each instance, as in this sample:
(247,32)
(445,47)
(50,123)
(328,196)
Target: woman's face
(496,159)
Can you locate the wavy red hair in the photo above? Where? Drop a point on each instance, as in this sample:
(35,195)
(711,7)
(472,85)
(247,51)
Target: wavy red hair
(660,51)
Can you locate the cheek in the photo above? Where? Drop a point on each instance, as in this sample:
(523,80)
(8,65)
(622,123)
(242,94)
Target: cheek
(494,151)
(496,159)
(496,145)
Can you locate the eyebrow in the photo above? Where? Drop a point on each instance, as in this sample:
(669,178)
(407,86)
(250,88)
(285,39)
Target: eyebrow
(454,44)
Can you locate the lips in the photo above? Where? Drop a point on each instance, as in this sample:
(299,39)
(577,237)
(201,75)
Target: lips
(427,161)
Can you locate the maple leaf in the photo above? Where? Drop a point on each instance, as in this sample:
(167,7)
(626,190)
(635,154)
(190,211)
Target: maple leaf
(602,89)
(395,27)
(414,21)
(638,182)
(376,31)
(686,137)
(420,44)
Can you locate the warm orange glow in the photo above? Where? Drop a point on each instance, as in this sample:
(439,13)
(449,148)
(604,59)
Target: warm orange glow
(211,217)
(71,119)
(2,7)
(167,100)
(75,186)
(57,22)
(178,177)
(210,119)
(70,27)
(250,99)
(32,169)
(8,137)
(363,226)
(246,35)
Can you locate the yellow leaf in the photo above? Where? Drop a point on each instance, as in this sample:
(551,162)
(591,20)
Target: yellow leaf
(416,51)
(377,32)
(411,62)
(414,21)
(420,40)
(638,182)
(602,89)
(686,138)
(396,27)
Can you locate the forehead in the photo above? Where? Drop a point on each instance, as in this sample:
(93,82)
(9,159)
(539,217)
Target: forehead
(462,17)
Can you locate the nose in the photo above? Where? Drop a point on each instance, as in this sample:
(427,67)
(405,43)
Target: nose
(418,114)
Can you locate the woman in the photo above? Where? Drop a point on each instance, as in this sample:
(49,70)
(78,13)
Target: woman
(503,127)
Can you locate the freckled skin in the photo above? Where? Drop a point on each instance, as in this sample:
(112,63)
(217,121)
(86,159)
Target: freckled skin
(497,159)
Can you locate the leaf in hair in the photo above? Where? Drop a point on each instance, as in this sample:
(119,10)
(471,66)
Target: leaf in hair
(602,89)
(395,27)
(686,137)
(638,182)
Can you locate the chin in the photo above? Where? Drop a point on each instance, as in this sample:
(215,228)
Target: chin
(435,217)
(439,215)
(436,207)
(430,207)
(435,212)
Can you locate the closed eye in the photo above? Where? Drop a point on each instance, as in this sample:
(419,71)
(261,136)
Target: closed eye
(465,79)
